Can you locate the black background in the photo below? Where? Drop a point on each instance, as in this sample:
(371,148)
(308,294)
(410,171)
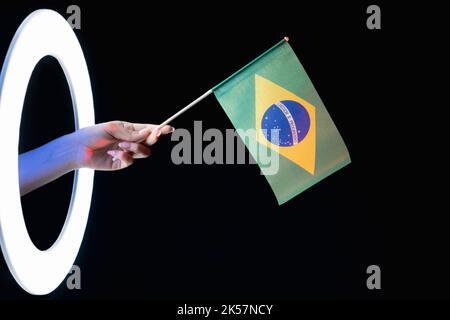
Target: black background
(161,231)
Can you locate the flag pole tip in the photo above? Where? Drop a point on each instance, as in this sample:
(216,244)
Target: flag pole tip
(286,38)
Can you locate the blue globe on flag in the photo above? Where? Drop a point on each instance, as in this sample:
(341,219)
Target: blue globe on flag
(291,120)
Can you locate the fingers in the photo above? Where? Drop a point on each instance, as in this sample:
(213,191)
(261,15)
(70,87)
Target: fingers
(141,126)
(137,132)
(126,131)
(125,157)
(131,137)
(120,159)
(154,131)
(166,129)
(157,132)
(138,150)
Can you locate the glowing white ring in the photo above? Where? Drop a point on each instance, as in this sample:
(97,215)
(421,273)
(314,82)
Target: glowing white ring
(42,33)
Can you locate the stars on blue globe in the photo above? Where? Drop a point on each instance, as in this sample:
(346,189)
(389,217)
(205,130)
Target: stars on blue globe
(290,119)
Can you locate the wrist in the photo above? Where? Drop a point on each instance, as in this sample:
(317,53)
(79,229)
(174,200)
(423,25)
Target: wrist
(76,154)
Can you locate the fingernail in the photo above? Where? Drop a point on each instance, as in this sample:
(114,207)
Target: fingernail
(172,130)
(111,153)
(143,130)
(158,134)
(124,145)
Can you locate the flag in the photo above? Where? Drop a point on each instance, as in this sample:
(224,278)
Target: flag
(273,99)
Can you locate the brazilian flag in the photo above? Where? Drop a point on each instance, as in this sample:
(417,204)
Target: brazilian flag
(274,96)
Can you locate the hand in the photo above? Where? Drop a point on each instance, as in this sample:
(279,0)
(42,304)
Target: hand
(106,146)
(114,145)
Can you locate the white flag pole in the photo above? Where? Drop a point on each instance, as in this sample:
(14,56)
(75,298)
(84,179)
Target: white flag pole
(190,105)
(207,93)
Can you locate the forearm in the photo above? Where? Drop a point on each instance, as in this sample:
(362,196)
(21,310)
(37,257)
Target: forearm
(47,163)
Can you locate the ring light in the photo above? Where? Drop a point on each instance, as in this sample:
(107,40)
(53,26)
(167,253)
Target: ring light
(42,33)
